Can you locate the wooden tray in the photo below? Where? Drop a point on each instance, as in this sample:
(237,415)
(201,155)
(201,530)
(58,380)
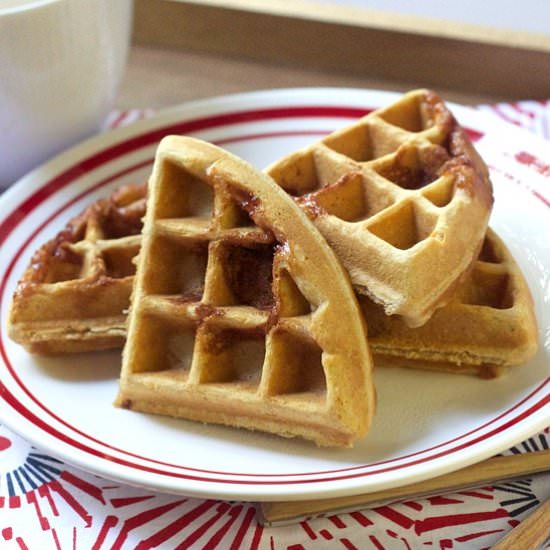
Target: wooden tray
(399,48)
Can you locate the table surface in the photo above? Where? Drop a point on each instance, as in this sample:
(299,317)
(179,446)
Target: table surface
(157,78)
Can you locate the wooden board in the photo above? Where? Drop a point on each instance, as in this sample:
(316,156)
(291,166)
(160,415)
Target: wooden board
(509,64)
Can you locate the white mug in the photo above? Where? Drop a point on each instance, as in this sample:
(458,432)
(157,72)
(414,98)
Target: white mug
(61,62)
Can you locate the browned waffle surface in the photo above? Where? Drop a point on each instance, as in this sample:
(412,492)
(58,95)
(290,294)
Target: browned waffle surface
(488,325)
(241,313)
(76,290)
(403,199)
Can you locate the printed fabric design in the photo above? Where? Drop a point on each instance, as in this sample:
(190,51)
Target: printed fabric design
(57,505)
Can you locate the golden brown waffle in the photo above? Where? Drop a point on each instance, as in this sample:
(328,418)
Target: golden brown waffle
(241,313)
(76,290)
(62,316)
(403,199)
(488,325)
(474,335)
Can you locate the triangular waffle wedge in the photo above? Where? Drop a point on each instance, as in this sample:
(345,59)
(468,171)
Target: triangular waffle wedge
(76,290)
(403,199)
(241,313)
(488,325)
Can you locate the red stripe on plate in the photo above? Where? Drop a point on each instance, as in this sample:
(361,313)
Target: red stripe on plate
(154,136)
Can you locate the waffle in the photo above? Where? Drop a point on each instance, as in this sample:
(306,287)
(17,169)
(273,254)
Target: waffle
(403,199)
(68,301)
(469,335)
(238,305)
(75,292)
(488,325)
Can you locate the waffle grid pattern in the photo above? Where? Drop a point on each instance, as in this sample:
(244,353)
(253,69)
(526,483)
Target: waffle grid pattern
(392,194)
(74,295)
(220,329)
(216,304)
(55,312)
(489,323)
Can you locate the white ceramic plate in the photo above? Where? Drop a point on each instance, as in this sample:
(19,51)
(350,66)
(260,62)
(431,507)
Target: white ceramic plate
(427,424)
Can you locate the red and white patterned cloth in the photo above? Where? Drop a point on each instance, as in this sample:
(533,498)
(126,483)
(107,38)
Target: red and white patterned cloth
(46,504)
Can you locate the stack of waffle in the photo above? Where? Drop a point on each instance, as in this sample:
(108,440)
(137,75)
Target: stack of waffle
(243,279)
